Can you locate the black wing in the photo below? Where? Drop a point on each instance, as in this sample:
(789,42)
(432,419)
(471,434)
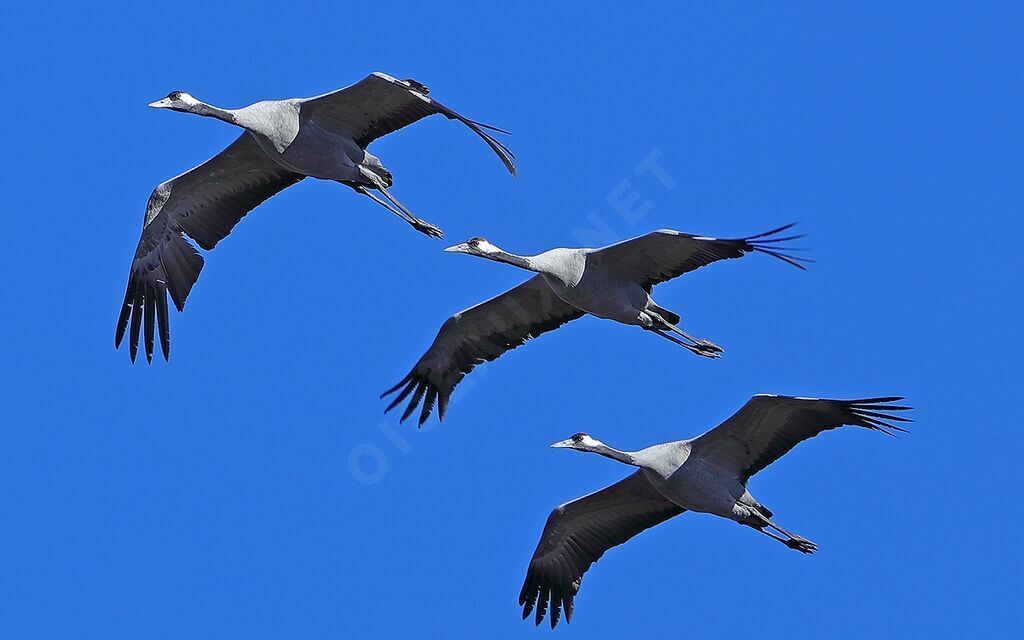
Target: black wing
(379,104)
(579,532)
(665,254)
(768,426)
(479,334)
(205,203)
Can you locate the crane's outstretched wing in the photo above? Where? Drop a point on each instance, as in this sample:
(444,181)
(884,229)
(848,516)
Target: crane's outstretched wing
(205,203)
(665,254)
(768,426)
(579,532)
(379,104)
(479,334)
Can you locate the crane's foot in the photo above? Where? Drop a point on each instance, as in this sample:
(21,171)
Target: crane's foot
(802,545)
(700,346)
(699,350)
(709,347)
(713,353)
(426,228)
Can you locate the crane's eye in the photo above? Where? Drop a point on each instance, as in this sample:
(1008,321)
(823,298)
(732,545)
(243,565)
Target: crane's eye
(578,437)
(175,95)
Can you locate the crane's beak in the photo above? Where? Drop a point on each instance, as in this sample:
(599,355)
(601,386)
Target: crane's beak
(562,444)
(458,248)
(160,104)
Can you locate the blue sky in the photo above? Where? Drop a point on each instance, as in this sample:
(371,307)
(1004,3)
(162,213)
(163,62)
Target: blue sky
(251,487)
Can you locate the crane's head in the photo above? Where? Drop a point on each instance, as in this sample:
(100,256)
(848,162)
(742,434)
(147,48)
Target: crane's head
(579,441)
(178,101)
(475,247)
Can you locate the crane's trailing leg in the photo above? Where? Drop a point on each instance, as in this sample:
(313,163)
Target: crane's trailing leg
(698,346)
(399,210)
(689,347)
(700,342)
(791,540)
(795,542)
(420,225)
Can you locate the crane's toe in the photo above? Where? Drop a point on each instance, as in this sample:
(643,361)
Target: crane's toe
(425,227)
(708,350)
(801,545)
(709,346)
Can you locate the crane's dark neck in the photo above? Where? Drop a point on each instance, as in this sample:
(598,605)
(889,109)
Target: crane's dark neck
(624,457)
(523,262)
(210,111)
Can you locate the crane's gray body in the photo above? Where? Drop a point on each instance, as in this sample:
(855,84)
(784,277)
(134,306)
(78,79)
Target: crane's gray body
(577,277)
(299,144)
(676,471)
